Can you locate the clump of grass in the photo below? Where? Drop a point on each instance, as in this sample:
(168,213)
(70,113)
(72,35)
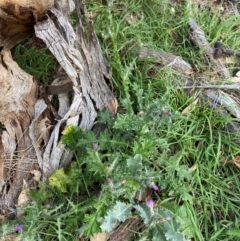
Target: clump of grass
(36,61)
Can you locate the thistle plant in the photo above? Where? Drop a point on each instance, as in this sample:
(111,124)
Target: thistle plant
(128,162)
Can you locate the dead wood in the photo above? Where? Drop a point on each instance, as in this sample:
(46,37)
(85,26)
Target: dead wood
(225,100)
(212,86)
(217,94)
(59,89)
(33,126)
(220,51)
(17,19)
(226,97)
(18,96)
(199,39)
(65,7)
(166,60)
(126,230)
(86,69)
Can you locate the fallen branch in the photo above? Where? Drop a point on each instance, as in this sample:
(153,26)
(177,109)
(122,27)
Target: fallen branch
(166,60)
(126,230)
(209,86)
(199,39)
(213,93)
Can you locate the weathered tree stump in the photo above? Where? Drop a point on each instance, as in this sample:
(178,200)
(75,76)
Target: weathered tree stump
(32,129)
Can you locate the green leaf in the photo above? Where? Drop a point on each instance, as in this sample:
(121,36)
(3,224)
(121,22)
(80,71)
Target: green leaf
(172,234)
(127,122)
(144,212)
(165,232)
(171,230)
(234,233)
(92,224)
(74,172)
(118,213)
(59,180)
(143,146)
(186,225)
(157,233)
(71,136)
(87,139)
(109,223)
(168,226)
(113,165)
(135,163)
(184,193)
(183,173)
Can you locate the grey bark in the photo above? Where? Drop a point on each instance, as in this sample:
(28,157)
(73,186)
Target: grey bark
(30,138)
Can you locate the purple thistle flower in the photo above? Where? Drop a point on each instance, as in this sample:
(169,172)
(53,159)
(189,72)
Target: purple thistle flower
(168,113)
(18,228)
(95,145)
(150,203)
(109,180)
(155,187)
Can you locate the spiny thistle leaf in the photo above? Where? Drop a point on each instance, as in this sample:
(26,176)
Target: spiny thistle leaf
(166,228)
(186,224)
(109,223)
(157,233)
(171,234)
(166,232)
(59,180)
(171,228)
(144,212)
(92,225)
(135,163)
(118,213)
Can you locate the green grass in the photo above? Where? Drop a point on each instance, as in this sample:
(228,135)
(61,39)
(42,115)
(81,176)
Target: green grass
(36,61)
(205,201)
